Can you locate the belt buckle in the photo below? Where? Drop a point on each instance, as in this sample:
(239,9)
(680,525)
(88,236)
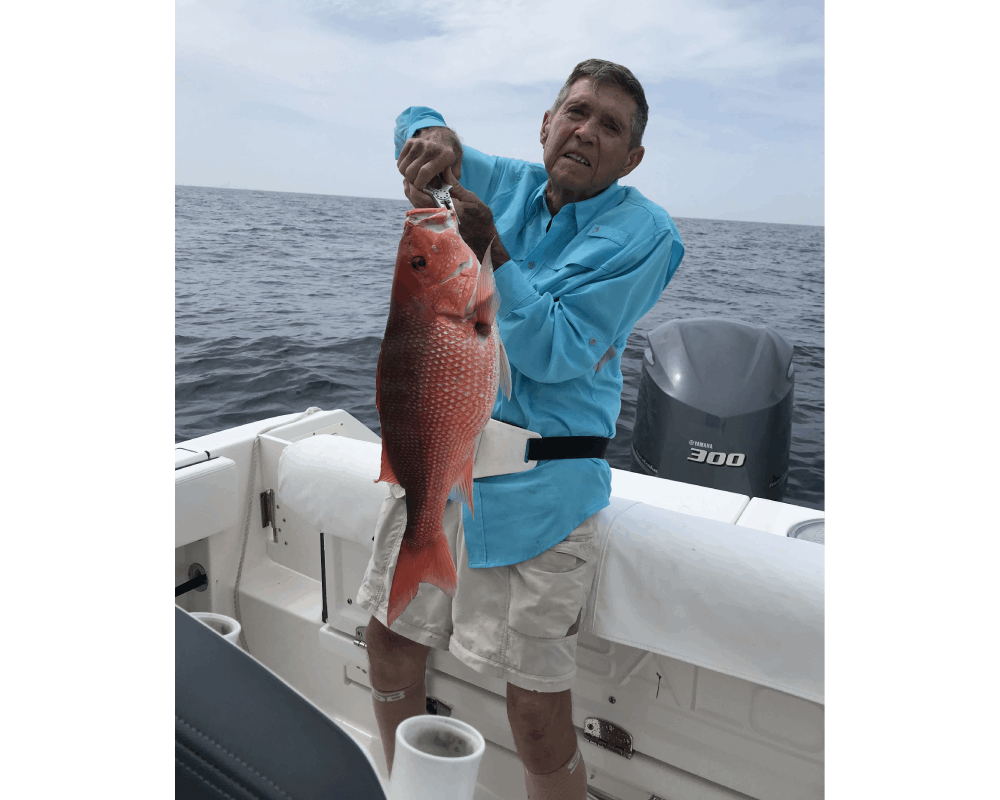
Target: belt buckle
(501,449)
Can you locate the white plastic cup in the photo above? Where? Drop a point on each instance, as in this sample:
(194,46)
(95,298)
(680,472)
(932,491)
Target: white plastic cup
(436,757)
(227,627)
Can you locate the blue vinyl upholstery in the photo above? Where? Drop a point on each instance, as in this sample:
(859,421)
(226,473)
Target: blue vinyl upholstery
(244,734)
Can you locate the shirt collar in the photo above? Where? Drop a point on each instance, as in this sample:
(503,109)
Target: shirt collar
(585,211)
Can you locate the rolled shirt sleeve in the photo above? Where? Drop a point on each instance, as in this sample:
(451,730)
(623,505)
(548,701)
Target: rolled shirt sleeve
(481,173)
(411,121)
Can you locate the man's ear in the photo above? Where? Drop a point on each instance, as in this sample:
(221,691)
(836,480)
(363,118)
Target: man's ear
(544,133)
(634,158)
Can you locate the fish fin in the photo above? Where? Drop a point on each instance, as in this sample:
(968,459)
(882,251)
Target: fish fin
(488,259)
(462,490)
(432,564)
(506,382)
(487,298)
(387,474)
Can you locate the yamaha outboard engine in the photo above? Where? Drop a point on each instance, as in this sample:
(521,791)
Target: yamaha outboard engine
(715,406)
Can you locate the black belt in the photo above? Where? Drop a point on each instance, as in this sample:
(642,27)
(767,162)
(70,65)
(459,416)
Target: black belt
(550,448)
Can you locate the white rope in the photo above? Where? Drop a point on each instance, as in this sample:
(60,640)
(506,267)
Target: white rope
(251,485)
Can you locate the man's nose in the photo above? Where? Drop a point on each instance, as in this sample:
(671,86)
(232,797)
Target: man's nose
(587,130)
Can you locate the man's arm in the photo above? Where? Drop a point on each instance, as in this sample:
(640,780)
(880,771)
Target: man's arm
(426,148)
(437,151)
(430,152)
(555,339)
(476,227)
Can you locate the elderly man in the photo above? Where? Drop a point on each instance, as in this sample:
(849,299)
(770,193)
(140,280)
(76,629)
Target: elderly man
(578,261)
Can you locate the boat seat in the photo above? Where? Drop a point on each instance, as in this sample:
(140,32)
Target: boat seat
(245,734)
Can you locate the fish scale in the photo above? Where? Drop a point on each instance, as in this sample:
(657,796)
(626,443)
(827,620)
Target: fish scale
(436,385)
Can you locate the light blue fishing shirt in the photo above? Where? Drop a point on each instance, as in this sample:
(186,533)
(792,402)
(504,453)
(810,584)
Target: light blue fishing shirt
(569,297)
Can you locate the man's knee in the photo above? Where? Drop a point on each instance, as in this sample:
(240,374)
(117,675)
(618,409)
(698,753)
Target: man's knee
(395,662)
(542,724)
(535,714)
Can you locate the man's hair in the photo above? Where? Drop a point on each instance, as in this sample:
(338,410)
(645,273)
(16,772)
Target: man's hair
(604,74)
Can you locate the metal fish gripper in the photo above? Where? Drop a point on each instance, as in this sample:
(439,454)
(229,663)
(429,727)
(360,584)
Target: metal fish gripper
(442,197)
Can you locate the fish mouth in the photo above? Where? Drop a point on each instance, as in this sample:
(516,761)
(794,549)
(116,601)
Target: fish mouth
(437,220)
(579,159)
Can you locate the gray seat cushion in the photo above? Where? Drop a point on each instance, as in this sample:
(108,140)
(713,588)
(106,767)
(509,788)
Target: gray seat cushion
(242,733)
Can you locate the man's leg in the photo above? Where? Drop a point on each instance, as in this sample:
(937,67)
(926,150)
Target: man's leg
(396,668)
(542,725)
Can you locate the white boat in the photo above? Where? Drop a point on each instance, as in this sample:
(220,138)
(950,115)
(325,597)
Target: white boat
(700,654)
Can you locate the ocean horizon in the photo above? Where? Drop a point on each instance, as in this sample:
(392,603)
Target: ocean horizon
(281,300)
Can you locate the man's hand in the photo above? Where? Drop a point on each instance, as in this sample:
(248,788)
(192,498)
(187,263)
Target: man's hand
(429,153)
(475,224)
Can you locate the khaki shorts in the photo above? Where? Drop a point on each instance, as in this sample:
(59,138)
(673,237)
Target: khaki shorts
(518,623)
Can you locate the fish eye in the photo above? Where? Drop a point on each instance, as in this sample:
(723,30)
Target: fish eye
(418,262)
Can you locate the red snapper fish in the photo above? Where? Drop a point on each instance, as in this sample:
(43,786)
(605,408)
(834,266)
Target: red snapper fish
(439,368)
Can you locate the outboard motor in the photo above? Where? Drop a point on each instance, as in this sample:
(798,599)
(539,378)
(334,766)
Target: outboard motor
(715,406)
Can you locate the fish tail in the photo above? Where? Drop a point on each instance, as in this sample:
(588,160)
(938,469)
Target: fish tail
(431,564)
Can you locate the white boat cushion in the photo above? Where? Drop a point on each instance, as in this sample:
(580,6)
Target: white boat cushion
(205,500)
(734,600)
(330,482)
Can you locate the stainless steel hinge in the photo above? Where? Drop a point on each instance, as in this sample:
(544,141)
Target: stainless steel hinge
(608,735)
(267,513)
(359,636)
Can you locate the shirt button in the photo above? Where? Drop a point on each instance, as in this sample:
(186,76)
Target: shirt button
(593,341)
(597,228)
(531,265)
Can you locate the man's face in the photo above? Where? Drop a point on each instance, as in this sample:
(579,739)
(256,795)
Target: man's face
(586,142)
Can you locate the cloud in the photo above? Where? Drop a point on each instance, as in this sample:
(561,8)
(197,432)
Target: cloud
(311,87)
(447,42)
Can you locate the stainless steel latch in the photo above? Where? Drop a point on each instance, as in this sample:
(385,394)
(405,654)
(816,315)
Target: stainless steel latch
(267,513)
(608,735)
(435,706)
(597,794)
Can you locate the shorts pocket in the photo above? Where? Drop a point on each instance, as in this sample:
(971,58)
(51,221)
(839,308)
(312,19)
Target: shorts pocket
(388,532)
(580,541)
(547,593)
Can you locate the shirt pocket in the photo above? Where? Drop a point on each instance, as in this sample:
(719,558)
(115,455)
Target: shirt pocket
(596,248)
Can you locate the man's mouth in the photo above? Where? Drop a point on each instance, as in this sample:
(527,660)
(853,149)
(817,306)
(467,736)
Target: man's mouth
(577,158)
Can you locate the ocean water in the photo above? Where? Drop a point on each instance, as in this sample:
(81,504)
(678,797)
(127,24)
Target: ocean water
(281,302)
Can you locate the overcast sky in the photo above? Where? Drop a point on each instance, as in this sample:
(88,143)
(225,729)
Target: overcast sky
(302,95)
